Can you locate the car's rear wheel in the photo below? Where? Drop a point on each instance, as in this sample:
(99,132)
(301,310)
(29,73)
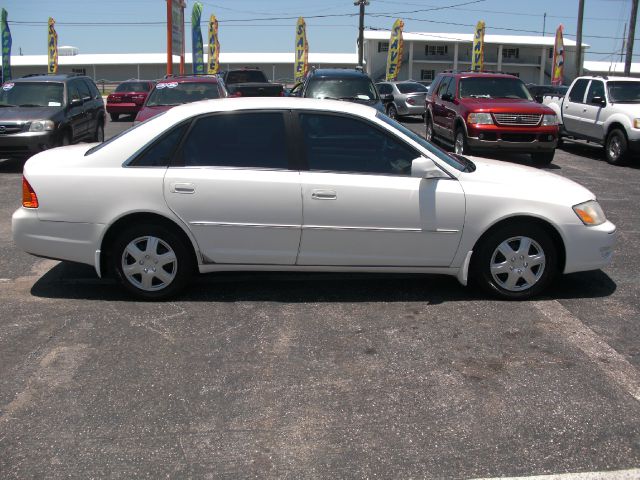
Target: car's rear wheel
(460,146)
(65,139)
(515,261)
(151,261)
(114,117)
(428,129)
(392,111)
(616,147)
(543,158)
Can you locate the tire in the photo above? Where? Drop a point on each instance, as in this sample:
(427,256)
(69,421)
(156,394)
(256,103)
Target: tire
(65,139)
(460,145)
(616,147)
(543,158)
(392,111)
(428,131)
(99,135)
(515,262)
(114,117)
(151,262)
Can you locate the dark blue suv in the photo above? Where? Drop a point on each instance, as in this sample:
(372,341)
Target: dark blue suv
(339,84)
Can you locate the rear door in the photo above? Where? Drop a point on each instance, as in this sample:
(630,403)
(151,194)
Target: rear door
(573,107)
(234,189)
(593,117)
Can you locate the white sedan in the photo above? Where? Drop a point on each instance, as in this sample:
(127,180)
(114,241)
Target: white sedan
(305,185)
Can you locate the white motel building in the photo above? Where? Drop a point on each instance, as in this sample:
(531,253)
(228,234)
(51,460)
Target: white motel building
(424,56)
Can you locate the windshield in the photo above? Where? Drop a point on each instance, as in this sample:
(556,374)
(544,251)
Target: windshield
(411,88)
(355,88)
(32,94)
(624,92)
(133,87)
(493,87)
(458,162)
(174,93)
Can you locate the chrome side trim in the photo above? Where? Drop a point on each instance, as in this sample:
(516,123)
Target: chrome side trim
(322,227)
(252,225)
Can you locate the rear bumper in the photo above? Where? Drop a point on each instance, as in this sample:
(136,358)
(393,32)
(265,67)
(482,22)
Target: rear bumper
(23,145)
(405,109)
(123,108)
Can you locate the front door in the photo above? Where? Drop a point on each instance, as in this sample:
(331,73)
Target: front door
(361,205)
(235,191)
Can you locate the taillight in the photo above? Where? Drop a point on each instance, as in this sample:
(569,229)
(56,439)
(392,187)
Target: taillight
(29,197)
(282,93)
(411,101)
(236,94)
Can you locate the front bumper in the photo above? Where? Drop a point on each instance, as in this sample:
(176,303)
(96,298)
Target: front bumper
(522,140)
(25,144)
(589,248)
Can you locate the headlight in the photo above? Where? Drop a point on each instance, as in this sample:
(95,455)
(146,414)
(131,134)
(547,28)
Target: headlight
(549,120)
(636,123)
(41,126)
(480,118)
(590,213)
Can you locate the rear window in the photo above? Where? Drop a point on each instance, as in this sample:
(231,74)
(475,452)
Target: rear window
(174,93)
(493,87)
(352,88)
(247,76)
(133,87)
(411,88)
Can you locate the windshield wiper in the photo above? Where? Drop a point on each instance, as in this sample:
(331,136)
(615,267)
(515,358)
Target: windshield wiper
(29,105)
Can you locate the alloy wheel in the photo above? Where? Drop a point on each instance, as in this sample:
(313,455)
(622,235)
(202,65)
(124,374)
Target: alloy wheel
(149,263)
(517,264)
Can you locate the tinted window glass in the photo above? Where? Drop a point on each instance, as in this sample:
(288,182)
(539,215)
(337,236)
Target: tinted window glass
(596,89)
(411,87)
(83,89)
(246,76)
(385,88)
(493,87)
(343,144)
(161,152)
(246,140)
(342,88)
(442,88)
(44,94)
(133,87)
(74,94)
(624,92)
(451,88)
(577,92)
(92,88)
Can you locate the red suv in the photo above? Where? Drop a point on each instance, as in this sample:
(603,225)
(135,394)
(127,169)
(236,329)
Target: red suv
(489,111)
(128,98)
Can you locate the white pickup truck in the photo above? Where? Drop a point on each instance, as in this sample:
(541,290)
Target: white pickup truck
(604,110)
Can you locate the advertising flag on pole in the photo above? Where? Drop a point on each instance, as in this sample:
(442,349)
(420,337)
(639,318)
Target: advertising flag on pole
(52,48)
(214,46)
(6,48)
(396,48)
(302,51)
(557,75)
(196,39)
(477,63)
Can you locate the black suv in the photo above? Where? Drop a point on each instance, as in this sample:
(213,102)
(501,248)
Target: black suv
(339,84)
(44,111)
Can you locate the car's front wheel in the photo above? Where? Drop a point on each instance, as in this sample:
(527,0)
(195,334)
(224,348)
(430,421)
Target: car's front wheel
(515,261)
(543,158)
(428,129)
(460,146)
(114,117)
(151,261)
(98,136)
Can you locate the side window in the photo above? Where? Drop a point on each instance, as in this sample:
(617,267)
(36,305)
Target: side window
(74,94)
(83,89)
(442,88)
(577,92)
(385,89)
(343,144)
(451,88)
(160,153)
(95,93)
(434,86)
(596,89)
(241,139)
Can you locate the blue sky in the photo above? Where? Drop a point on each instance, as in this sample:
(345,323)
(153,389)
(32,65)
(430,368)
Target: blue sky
(257,26)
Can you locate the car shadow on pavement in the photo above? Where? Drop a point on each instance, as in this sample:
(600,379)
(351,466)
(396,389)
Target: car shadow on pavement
(75,281)
(11,166)
(594,152)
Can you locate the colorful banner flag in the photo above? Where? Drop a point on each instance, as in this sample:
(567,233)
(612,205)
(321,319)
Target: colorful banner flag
(52,64)
(396,48)
(557,73)
(6,48)
(196,39)
(214,46)
(302,51)
(477,62)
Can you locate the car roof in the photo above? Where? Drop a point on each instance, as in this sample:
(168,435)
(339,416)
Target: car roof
(480,75)
(47,78)
(190,79)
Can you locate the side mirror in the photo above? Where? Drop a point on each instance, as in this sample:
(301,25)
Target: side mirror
(386,97)
(599,101)
(447,97)
(422,167)
(75,101)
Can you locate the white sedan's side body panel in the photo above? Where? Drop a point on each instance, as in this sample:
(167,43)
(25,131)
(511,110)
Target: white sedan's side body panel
(239,215)
(378,220)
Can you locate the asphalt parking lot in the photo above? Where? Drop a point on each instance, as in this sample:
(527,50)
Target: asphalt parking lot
(323,375)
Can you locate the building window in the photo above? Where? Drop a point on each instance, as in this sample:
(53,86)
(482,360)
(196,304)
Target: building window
(551,53)
(434,50)
(81,71)
(510,53)
(427,74)
(383,46)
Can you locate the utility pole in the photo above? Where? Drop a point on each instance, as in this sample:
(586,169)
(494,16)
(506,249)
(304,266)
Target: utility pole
(579,39)
(362,4)
(624,42)
(632,32)
(544,24)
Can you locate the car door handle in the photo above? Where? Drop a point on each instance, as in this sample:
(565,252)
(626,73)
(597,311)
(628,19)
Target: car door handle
(324,195)
(183,188)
